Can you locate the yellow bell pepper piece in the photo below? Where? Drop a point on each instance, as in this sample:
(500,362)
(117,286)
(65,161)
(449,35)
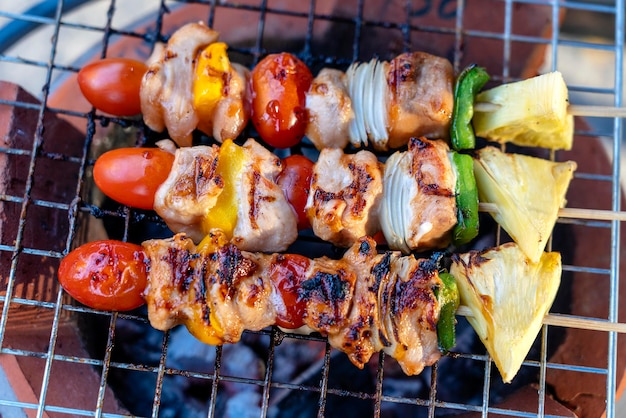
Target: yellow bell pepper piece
(211,333)
(212,70)
(212,242)
(223,216)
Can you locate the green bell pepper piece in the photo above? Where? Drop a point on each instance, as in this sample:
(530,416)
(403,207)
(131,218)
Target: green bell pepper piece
(466,228)
(467,85)
(449,300)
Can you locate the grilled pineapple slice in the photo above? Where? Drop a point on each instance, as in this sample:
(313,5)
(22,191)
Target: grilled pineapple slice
(531,112)
(508,296)
(528,193)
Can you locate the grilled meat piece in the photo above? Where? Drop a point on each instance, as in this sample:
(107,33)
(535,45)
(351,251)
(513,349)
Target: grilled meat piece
(364,333)
(191,187)
(345,193)
(328,291)
(364,302)
(421,89)
(413,313)
(418,208)
(166,89)
(330,110)
(266,220)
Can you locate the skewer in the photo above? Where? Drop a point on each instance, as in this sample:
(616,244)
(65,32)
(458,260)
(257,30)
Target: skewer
(574,213)
(597,111)
(569,321)
(576,110)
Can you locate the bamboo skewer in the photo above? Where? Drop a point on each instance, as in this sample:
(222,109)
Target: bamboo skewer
(573,213)
(576,110)
(569,321)
(597,111)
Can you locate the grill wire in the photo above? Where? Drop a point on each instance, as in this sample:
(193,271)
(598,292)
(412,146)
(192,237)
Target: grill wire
(17,25)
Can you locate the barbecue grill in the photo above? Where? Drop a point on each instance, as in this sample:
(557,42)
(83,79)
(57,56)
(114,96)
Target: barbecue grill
(60,358)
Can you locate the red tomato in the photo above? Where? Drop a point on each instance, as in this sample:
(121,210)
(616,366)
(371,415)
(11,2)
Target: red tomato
(279,84)
(107,275)
(112,85)
(295,181)
(286,274)
(131,176)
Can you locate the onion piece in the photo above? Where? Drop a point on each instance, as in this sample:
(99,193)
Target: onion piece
(367,86)
(354,76)
(378,116)
(399,186)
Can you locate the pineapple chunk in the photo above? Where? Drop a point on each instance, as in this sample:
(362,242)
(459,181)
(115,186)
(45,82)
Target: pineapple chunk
(531,112)
(508,296)
(528,193)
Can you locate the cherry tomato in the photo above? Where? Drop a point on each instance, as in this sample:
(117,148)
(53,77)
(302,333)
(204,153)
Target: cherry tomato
(379,237)
(295,181)
(107,275)
(279,84)
(131,176)
(112,85)
(286,274)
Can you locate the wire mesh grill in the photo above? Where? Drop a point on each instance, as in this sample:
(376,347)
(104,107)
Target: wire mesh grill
(47,208)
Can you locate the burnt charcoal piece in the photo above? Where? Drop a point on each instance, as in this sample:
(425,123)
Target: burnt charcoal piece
(342,375)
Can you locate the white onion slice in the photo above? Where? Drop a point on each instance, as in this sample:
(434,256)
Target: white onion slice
(378,115)
(398,187)
(367,86)
(354,77)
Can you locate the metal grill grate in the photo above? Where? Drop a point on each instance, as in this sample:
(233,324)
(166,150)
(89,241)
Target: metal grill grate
(36,314)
